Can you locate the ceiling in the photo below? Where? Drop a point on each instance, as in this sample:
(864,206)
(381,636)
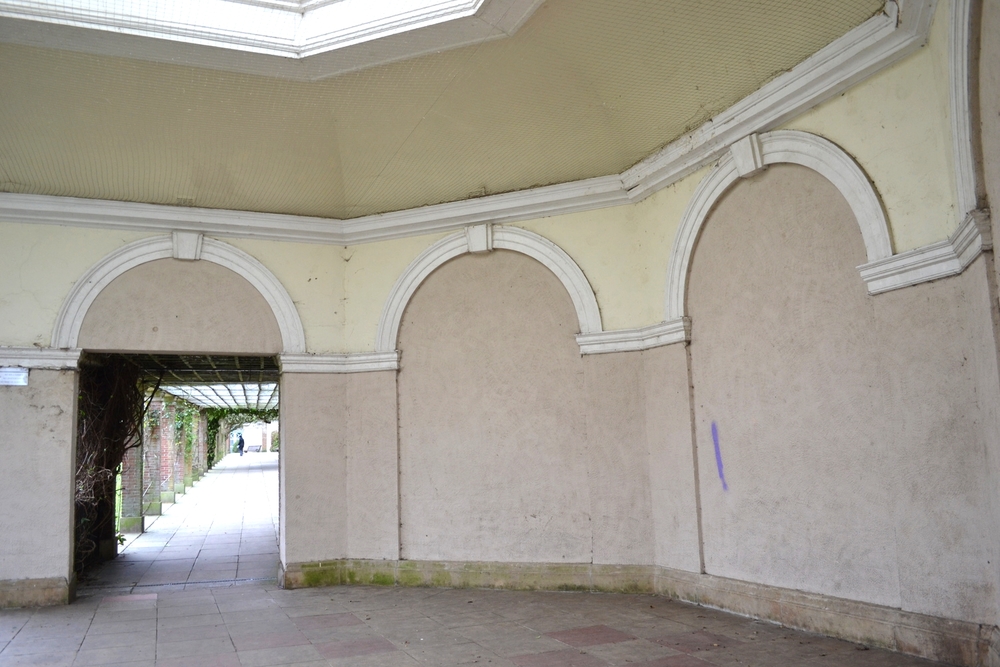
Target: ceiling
(584,88)
(213,381)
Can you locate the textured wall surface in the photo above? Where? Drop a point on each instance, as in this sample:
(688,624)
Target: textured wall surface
(313,474)
(37,425)
(851,428)
(493,450)
(671,464)
(169,305)
(989,117)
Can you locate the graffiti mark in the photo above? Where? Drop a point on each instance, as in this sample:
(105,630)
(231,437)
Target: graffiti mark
(718,455)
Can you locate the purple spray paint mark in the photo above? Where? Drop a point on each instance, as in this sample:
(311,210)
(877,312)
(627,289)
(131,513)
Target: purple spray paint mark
(718,455)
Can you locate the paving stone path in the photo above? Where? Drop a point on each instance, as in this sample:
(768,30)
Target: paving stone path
(198,590)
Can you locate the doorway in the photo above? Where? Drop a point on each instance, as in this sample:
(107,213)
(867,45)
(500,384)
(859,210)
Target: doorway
(187,509)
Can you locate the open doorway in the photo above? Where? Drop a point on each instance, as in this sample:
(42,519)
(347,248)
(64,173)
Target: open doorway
(183,507)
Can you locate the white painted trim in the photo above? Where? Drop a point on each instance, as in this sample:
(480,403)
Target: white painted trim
(877,43)
(632,340)
(930,262)
(791,146)
(339,363)
(504,238)
(961,116)
(39,358)
(558,262)
(882,40)
(74,309)
(392,312)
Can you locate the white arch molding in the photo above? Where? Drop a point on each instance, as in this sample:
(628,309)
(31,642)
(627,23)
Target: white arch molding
(756,152)
(75,307)
(503,238)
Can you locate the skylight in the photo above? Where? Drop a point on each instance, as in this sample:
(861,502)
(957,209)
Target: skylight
(294,29)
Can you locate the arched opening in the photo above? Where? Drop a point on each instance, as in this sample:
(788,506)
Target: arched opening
(205,335)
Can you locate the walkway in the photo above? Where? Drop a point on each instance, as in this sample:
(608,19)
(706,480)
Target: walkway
(174,599)
(223,529)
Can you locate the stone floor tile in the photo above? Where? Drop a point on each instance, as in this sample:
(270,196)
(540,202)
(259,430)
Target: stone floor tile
(356,647)
(22,645)
(629,652)
(269,640)
(590,636)
(221,660)
(188,633)
(95,641)
(115,654)
(205,608)
(63,659)
(194,647)
(285,655)
(317,621)
(570,657)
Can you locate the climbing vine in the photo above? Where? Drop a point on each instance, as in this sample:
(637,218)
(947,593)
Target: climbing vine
(112,410)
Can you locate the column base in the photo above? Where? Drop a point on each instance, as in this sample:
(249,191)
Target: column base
(37,592)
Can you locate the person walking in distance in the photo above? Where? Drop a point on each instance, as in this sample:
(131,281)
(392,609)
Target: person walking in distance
(240,444)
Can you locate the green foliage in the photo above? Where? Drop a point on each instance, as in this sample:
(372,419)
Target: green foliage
(231,417)
(185,419)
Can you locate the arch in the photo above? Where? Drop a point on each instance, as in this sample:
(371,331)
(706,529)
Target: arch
(791,146)
(504,238)
(67,329)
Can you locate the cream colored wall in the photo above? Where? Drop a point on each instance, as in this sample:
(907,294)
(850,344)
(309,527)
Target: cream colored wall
(896,125)
(313,275)
(37,430)
(852,429)
(39,264)
(372,269)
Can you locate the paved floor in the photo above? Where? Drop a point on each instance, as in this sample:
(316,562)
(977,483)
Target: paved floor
(189,594)
(224,528)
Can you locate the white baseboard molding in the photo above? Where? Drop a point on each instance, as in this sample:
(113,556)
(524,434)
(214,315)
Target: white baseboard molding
(632,340)
(364,362)
(46,358)
(930,262)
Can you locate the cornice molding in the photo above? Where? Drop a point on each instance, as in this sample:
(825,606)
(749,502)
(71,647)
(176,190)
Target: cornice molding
(930,262)
(339,363)
(877,43)
(783,146)
(504,238)
(39,357)
(633,340)
(66,332)
(899,30)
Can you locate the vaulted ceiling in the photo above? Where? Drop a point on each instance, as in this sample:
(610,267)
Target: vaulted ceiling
(583,88)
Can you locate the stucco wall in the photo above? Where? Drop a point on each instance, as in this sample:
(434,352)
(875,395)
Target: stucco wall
(313,511)
(851,429)
(988,85)
(37,429)
(493,449)
(672,472)
(170,305)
